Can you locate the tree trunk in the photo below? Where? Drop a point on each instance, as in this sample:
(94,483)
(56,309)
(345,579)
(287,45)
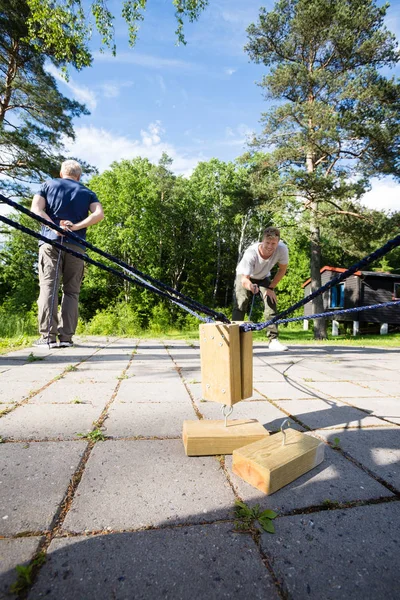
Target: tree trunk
(9,79)
(315,264)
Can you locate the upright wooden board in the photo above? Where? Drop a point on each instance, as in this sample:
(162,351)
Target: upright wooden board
(208,438)
(220,363)
(268,465)
(246,363)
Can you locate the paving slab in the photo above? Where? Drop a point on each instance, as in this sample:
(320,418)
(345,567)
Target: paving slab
(376,449)
(34,479)
(147,419)
(134,484)
(336,479)
(14,552)
(66,392)
(344,389)
(287,390)
(384,407)
(194,562)
(48,421)
(318,414)
(149,489)
(352,553)
(169,391)
(387,388)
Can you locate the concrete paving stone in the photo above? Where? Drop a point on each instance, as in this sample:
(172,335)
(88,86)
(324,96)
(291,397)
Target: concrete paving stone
(29,374)
(352,553)
(343,389)
(66,392)
(186,562)
(324,414)
(387,408)
(113,367)
(387,388)
(14,391)
(336,479)
(153,376)
(147,419)
(134,484)
(48,421)
(14,552)
(34,479)
(307,375)
(266,373)
(169,391)
(376,449)
(191,374)
(289,390)
(265,412)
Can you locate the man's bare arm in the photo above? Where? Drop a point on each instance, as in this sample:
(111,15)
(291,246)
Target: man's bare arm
(38,207)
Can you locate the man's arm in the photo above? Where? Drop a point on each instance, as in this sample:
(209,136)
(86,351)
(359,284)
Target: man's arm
(280,274)
(38,207)
(246,283)
(96,215)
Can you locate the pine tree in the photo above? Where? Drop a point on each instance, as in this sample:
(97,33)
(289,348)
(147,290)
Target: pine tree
(338,119)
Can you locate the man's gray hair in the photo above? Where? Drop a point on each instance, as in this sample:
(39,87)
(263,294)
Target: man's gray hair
(71,168)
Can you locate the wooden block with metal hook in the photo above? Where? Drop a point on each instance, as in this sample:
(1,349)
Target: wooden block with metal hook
(226,363)
(273,462)
(209,438)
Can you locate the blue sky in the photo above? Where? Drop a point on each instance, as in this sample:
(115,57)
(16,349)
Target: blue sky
(194,102)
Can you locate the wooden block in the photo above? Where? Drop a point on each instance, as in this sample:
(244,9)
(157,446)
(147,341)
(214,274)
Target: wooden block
(220,363)
(268,465)
(246,363)
(208,438)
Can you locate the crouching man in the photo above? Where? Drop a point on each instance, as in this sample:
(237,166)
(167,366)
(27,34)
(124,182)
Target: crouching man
(253,275)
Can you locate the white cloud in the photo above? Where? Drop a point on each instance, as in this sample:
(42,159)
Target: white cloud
(81,93)
(230,71)
(384,195)
(100,148)
(148,61)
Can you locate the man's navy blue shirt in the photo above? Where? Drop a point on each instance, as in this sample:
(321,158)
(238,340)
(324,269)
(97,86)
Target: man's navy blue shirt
(66,199)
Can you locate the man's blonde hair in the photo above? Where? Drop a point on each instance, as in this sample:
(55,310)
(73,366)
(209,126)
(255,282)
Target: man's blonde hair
(71,168)
(271,232)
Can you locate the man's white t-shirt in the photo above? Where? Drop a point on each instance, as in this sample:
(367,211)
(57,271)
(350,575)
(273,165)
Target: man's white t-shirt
(257,267)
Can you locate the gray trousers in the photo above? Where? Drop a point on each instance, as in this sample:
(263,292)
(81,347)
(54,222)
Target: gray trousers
(243,297)
(71,272)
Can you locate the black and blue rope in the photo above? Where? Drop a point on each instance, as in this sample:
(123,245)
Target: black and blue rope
(186,300)
(147,286)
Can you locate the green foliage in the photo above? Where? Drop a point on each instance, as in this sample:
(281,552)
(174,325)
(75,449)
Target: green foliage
(64,29)
(247,516)
(33,358)
(26,573)
(30,98)
(94,436)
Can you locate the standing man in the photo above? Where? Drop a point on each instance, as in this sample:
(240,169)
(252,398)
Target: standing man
(69,201)
(253,275)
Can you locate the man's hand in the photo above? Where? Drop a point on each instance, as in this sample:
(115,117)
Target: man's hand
(253,287)
(270,294)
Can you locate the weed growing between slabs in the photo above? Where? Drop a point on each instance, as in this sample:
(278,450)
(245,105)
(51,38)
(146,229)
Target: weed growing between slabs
(247,517)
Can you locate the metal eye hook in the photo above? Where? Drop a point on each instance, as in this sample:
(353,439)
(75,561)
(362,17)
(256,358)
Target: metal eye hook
(226,415)
(285,422)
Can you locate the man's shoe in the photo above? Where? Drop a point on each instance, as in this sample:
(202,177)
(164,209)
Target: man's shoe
(66,344)
(276,346)
(44,343)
